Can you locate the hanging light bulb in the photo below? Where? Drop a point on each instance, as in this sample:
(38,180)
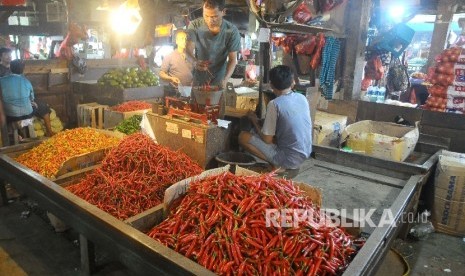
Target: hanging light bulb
(126,19)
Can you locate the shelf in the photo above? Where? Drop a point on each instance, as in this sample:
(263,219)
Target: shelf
(16,8)
(297,28)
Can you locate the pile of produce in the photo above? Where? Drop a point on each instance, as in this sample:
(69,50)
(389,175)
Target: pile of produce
(134,176)
(130,125)
(131,106)
(448,82)
(129,78)
(221,224)
(48,157)
(39,125)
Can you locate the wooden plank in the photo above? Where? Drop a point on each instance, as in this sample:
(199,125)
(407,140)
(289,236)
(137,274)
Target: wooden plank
(87,255)
(443,120)
(37,80)
(445,12)
(342,107)
(456,136)
(59,70)
(356,20)
(387,113)
(369,176)
(146,220)
(351,162)
(3,197)
(57,79)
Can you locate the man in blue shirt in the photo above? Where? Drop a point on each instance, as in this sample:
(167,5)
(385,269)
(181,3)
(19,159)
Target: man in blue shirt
(215,41)
(285,140)
(17,96)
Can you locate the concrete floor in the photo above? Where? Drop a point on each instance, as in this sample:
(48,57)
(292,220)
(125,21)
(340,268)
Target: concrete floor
(30,246)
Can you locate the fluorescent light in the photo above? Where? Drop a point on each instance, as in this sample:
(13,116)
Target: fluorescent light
(397,12)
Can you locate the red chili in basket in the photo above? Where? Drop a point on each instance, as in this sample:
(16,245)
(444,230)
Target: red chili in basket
(131,106)
(223,228)
(134,176)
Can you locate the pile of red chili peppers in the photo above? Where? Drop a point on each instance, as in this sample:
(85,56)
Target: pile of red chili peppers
(48,157)
(221,224)
(134,176)
(131,106)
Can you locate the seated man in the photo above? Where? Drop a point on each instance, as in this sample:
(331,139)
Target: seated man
(285,140)
(17,96)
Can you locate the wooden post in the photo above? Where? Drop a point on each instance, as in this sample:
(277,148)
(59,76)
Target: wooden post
(3,196)
(446,10)
(87,256)
(357,17)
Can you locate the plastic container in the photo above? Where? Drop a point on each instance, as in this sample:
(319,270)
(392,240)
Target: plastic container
(381,95)
(185,91)
(235,158)
(208,97)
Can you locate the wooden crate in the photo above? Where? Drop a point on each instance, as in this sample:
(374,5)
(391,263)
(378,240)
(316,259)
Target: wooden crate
(73,164)
(113,118)
(91,114)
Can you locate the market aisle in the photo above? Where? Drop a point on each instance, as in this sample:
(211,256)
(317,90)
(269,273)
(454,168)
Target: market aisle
(29,246)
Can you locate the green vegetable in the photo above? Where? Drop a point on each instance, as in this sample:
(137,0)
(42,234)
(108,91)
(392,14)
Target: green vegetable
(130,125)
(129,78)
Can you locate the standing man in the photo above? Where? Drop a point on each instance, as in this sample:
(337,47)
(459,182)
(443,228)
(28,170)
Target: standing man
(285,140)
(177,67)
(216,43)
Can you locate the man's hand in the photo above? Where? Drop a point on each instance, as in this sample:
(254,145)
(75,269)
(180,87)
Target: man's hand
(202,65)
(252,117)
(175,81)
(223,84)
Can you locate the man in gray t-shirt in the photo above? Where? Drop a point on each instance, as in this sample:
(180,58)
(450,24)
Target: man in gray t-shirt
(216,43)
(285,140)
(177,67)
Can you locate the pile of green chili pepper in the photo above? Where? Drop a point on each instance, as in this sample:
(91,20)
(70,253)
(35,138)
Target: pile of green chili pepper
(130,125)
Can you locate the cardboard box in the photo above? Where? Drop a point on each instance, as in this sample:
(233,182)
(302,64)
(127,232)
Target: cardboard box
(113,118)
(176,190)
(381,139)
(328,128)
(242,98)
(448,214)
(200,142)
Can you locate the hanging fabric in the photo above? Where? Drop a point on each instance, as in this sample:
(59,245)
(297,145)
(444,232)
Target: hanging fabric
(328,66)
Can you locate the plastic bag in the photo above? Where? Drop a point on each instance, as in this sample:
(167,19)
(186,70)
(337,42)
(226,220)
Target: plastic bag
(302,14)
(374,68)
(146,128)
(306,47)
(423,227)
(397,77)
(327,5)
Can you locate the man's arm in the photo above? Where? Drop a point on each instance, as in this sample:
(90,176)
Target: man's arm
(164,76)
(232,62)
(253,118)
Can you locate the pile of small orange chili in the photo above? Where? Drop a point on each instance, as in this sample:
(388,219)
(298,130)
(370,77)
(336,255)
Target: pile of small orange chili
(131,106)
(48,157)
